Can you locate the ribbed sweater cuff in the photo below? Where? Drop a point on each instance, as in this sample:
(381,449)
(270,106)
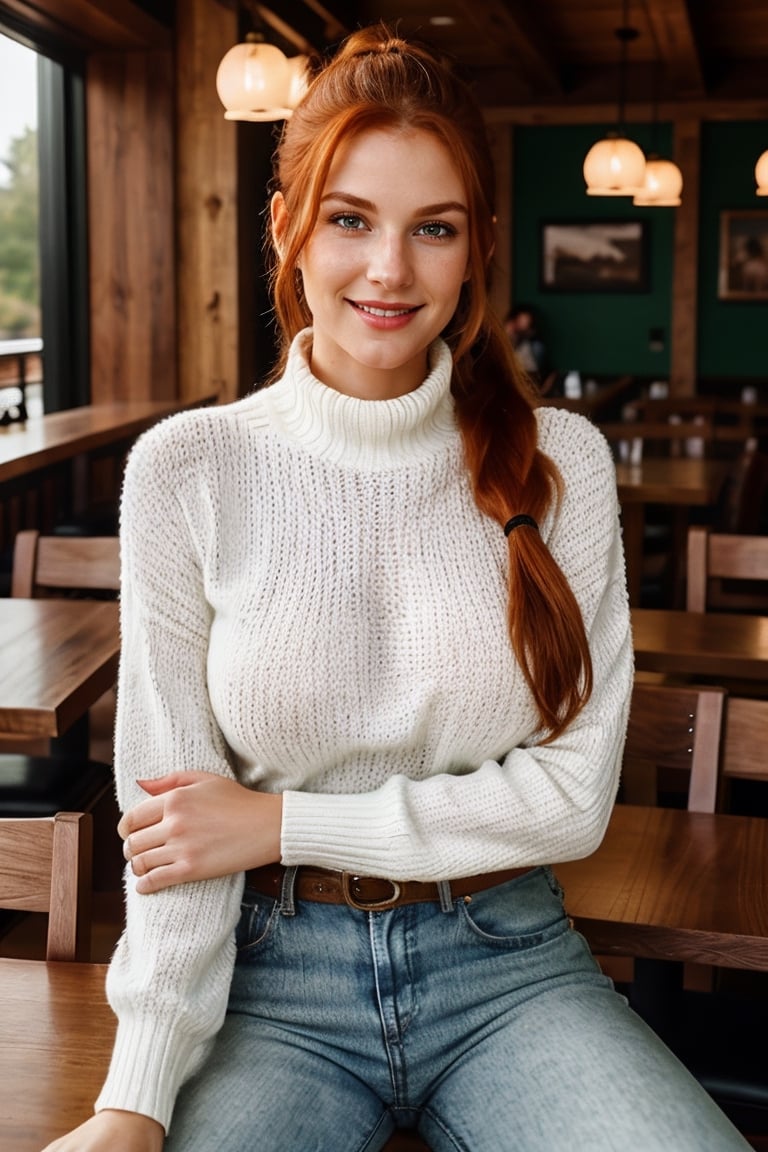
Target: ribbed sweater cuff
(361,832)
(147,1069)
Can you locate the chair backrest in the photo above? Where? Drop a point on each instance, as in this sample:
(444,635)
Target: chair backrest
(733,419)
(662,437)
(46,866)
(674,735)
(723,556)
(745,739)
(42,564)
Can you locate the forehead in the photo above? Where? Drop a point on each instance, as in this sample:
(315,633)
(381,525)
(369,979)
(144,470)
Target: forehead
(414,158)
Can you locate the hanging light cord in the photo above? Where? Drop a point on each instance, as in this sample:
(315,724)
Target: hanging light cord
(624,35)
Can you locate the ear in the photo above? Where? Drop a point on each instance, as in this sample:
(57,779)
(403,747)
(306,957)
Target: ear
(279,218)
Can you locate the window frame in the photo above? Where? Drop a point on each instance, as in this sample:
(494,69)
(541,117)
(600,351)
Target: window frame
(63,215)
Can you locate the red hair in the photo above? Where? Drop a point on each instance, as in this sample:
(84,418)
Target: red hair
(379,81)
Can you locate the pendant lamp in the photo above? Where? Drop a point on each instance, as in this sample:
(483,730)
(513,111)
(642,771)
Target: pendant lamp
(761,175)
(256,82)
(615,166)
(662,185)
(663,181)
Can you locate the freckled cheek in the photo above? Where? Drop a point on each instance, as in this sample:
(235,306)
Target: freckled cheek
(330,271)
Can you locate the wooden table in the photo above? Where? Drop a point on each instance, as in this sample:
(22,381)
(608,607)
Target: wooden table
(682,482)
(664,884)
(57,657)
(56,1035)
(725,645)
(45,440)
(673,885)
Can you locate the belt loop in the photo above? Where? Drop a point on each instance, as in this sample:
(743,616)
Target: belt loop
(287,903)
(446,899)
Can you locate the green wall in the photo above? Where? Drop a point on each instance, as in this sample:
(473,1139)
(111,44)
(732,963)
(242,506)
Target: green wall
(610,334)
(732,334)
(600,333)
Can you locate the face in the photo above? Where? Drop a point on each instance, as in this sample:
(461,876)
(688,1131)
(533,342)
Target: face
(521,324)
(385,263)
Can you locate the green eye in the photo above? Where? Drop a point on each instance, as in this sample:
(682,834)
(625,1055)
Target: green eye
(347,221)
(437,230)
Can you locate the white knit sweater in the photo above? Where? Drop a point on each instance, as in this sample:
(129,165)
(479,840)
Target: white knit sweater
(312,601)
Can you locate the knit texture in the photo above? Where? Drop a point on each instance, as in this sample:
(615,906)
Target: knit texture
(312,602)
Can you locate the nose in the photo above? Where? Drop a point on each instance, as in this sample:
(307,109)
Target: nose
(389,263)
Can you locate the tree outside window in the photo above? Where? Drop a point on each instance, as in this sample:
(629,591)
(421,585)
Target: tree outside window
(19,193)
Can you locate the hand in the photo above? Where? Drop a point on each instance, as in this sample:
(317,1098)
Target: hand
(196,826)
(111,1129)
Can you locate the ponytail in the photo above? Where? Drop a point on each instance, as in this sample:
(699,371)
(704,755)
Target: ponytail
(515,484)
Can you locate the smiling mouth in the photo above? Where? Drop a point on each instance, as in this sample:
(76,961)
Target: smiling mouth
(383,312)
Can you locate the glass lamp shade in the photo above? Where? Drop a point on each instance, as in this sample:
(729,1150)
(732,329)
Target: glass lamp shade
(298,79)
(662,185)
(252,81)
(614,167)
(761,175)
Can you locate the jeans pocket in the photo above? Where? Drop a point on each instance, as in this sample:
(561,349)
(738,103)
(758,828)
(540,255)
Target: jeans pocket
(258,917)
(521,914)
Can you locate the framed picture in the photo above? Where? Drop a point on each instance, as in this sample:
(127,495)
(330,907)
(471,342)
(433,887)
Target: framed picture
(594,256)
(743,265)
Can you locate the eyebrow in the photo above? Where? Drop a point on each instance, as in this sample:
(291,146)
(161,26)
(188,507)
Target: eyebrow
(427,210)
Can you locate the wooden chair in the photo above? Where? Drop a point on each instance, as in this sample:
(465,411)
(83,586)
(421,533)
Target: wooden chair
(732,424)
(745,741)
(671,758)
(720,1035)
(717,557)
(661,438)
(34,783)
(45,866)
(46,565)
(673,745)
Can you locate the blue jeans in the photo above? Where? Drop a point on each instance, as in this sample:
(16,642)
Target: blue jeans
(485,1024)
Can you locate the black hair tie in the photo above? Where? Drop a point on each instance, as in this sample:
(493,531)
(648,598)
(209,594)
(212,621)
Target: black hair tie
(518,521)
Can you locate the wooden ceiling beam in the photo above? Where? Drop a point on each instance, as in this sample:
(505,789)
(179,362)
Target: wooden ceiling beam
(677,47)
(515,30)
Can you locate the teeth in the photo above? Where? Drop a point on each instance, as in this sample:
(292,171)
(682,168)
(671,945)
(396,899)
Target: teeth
(383,311)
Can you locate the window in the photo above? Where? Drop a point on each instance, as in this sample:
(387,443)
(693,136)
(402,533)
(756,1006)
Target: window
(20,323)
(43,228)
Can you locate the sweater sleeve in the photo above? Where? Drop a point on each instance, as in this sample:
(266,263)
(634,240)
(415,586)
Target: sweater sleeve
(169,979)
(541,803)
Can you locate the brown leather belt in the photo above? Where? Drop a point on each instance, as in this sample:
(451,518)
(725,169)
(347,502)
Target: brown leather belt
(367,893)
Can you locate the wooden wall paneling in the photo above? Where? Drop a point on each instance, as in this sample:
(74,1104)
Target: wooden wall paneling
(130,101)
(207,187)
(684,322)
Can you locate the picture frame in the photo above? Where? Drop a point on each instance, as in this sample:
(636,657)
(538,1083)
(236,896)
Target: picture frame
(594,256)
(743,255)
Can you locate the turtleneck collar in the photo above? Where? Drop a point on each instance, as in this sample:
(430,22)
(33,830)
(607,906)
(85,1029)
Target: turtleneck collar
(371,434)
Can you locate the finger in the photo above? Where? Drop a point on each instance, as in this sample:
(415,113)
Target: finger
(146,840)
(161,784)
(144,815)
(144,862)
(165,876)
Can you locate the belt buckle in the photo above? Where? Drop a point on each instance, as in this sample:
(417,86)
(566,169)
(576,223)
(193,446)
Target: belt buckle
(348,879)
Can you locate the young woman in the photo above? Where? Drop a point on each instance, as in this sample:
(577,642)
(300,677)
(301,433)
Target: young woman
(376,655)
